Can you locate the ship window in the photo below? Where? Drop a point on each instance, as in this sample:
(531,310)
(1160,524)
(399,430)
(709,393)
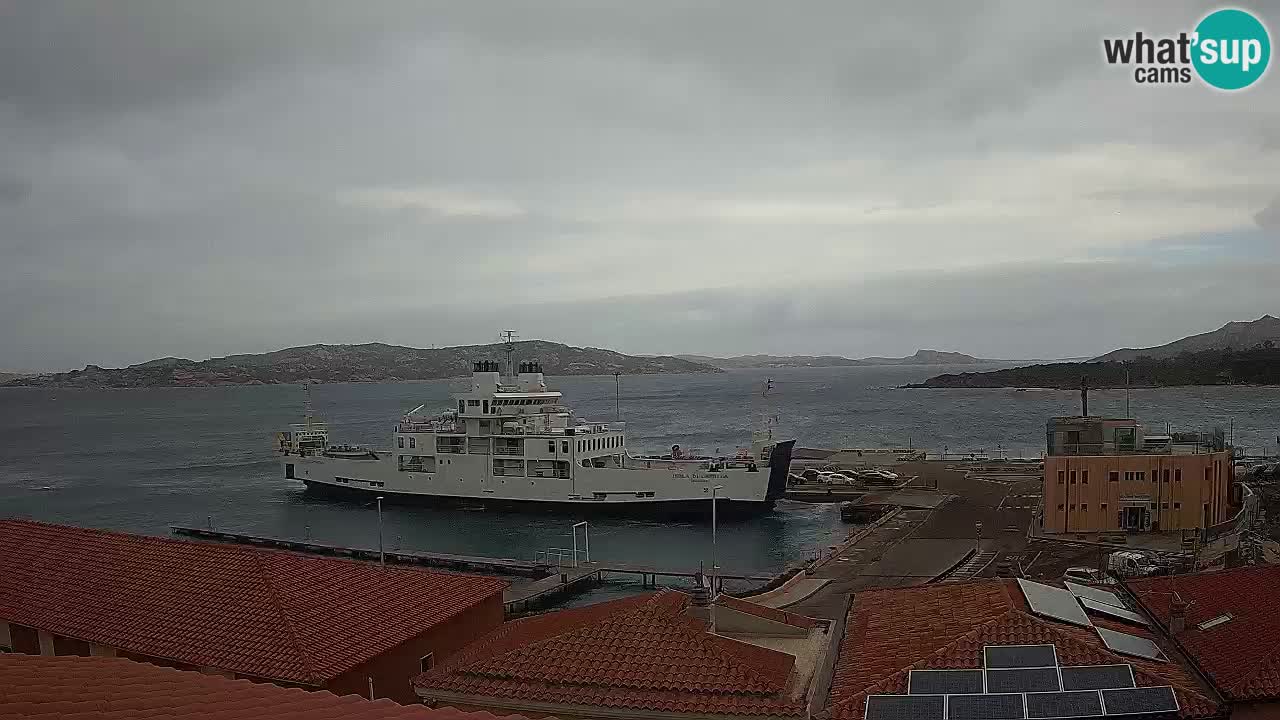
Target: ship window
(399,442)
(486,407)
(564,446)
(551,446)
(413,442)
(473,403)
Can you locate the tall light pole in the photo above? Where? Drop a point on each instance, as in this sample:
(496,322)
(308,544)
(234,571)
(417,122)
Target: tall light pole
(617,396)
(382,558)
(715,569)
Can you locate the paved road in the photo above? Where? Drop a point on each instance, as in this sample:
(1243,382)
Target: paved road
(920,544)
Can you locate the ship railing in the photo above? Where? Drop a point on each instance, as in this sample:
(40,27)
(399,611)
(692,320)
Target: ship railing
(560,555)
(438,427)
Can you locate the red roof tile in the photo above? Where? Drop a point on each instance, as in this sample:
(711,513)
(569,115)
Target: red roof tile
(643,653)
(100,688)
(1242,656)
(265,613)
(890,632)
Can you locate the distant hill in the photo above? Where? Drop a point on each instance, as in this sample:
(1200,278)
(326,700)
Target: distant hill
(927,357)
(7,376)
(1232,336)
(922,357)
(371,362)
(771,361)
(1259,365)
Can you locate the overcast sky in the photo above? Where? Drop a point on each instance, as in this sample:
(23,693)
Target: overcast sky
(199,178)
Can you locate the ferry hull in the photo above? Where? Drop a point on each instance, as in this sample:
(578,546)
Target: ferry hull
(726,508)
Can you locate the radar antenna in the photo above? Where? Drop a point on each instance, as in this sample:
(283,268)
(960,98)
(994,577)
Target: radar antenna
(509,337)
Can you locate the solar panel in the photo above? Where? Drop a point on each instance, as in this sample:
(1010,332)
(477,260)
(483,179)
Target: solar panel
(1019,656)
(1140,701)
(1113,611)
(905,707)
(1102,596)
(1097,677)
(1078,704)
(1127,644)
(1055,603)
(944,682)
(985,707)
(1023,680)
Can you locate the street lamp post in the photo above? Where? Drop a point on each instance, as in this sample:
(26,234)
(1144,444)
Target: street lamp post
(382,558)
(715,569)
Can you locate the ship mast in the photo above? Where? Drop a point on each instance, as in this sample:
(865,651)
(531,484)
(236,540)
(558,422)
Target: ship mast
(306,404)
(509,337)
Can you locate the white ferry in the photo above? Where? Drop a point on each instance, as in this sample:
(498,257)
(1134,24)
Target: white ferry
(510,441)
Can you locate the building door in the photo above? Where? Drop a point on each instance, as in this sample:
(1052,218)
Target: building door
(1135,518)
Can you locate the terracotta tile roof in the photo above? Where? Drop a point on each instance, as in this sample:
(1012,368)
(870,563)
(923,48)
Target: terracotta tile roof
(1241,656)
(265,613)
(100,688)
(639,653)
(945,626)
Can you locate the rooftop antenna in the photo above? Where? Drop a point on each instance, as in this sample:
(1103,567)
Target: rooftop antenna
(509,337)
(1127,412)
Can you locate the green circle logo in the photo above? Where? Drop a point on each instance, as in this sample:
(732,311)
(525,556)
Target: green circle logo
(1232,49)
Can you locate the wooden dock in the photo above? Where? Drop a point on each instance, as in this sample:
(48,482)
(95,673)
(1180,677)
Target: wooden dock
(550,582)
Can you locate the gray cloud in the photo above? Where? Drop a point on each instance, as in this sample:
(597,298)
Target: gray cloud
(1269,217)
(13,191)
(193,178)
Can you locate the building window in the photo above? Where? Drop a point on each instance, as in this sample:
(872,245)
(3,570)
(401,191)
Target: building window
(551,446)
(426,662)
(1208,474)
(1177,506)
(1104,507)
(1084,477)
(413,442)
(1073,477)
(400,442)
(1166,474)
(1114,476)
(1062,476)
(1177,474)
(473,403)
(1164,506)
(1059,506)
(1154,506)
(1084,506)
(1073,507)
(1141,476)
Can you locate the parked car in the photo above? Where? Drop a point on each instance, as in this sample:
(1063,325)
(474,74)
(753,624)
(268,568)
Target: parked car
(1128,563)
(1086,575)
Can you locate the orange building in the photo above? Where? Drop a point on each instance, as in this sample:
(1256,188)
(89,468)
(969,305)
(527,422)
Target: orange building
(1103,474)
